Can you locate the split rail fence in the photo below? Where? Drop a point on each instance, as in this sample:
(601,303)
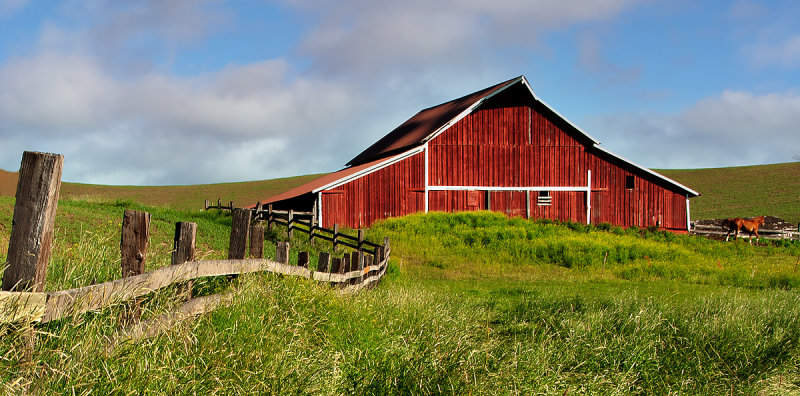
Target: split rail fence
(716,231)
(23,298)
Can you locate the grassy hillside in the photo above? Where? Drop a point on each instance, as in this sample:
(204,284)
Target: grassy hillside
(474,303)
(743,191)
(174,197)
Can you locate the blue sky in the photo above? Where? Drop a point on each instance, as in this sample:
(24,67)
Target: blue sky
(183,92)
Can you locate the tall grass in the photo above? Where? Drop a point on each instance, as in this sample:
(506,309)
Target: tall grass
(472,304)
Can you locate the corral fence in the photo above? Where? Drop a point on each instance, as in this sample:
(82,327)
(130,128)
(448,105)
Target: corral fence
(23,298)
(774,228)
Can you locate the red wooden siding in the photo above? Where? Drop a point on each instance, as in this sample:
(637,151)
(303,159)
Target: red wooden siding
(395,190)
(519,146)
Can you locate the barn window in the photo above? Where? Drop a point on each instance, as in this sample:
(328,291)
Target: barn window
(629,182)
(544,198)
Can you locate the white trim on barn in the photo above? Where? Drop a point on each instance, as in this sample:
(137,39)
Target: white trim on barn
(496,188)
(426,184)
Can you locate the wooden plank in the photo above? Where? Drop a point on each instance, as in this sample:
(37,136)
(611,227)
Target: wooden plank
(22,306)
(336,263)
(134,242)
(183,249)
(32,227)
(75,301)
(188,310)
(240,230)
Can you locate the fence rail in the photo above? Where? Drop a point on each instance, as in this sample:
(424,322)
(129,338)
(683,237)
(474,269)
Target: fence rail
(47,306)
(718,231)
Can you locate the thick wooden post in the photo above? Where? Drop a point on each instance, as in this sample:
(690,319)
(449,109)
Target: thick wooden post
(134,242)
(335,237)
(282,252)
(386,243)
(240,228)
(219,203)
(302,259)
(324,262)
(360,239)
(289,224)
(257,240)
(183,249)
(205,206)
(380,254)
(269,216)
(183,246)
(33,222)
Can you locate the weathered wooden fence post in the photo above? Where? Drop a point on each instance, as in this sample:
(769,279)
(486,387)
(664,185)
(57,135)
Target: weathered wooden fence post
(282,252)
(205,207)
(289,224)
(240,228)
(324,262)
(311,230)
(269,217)
(134,242)
(357,264)
(302,259)
(336,265)
(360,239)
(133,248)
(335,237)
(257,240)
(32,227)
(345,267)
(183,248)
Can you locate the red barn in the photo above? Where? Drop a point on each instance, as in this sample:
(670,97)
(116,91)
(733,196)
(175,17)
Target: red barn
(501,149)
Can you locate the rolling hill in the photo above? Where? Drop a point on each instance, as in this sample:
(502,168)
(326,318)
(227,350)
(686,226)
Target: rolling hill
(725,192)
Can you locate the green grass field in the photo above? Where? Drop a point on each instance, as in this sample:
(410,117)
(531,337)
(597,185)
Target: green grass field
(473,303)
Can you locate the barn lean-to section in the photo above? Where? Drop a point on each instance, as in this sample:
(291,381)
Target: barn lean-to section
(500,149)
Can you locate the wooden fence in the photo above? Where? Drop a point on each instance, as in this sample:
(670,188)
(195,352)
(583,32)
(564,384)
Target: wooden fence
(717,232)
(23,298)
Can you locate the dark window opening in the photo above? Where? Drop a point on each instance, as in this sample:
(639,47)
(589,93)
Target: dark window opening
(544,198)
(629,182)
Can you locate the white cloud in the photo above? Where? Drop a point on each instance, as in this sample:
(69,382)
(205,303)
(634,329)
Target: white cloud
(783,52)
(138,127)
(734,128)
(9,7)
(364,36)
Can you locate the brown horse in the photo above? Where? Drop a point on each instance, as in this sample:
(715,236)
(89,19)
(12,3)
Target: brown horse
(736,224)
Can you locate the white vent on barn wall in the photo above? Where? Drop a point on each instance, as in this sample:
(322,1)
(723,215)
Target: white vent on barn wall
(544,198)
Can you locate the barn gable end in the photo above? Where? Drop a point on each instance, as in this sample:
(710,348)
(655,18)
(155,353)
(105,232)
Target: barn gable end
(500,149)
